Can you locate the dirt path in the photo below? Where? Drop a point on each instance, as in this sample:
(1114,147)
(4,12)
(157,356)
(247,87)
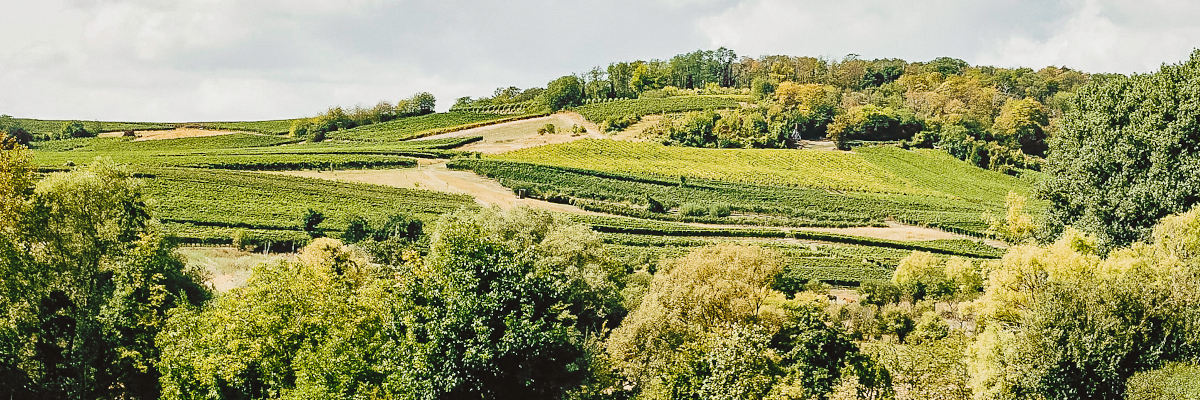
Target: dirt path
(516,135)
(433,175)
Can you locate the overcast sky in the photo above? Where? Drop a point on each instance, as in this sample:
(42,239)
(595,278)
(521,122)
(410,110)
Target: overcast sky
(195,60)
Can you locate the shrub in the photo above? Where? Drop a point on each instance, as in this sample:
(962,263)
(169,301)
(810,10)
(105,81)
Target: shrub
(1172,381)
(719,210)
(547,128)
(309,222)
(693,210)
(356,230)
(241,240)
(654,206)
(74,129)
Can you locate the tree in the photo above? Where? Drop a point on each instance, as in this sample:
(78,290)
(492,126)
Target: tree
(74,129)
(870,122)
(1017,225)
(1105,177)
(501,308)
(310,221)
(1064,321)
(309,328)
(922,275)
(14,130)
(1022,123)
(563,92)
(422,103)
(89,282)
(710,326)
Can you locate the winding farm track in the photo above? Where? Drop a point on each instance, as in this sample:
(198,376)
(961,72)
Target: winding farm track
(433,175)
(516,135)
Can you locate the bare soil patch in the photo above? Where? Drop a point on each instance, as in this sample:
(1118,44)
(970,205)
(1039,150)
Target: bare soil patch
(227,267)
(170,133)
(515,135)
(433,175)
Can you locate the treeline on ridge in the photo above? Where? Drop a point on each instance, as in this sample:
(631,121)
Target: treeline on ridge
(997,118)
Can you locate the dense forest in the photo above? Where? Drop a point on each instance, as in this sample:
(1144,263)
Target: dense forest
(997,118)
(1096,295)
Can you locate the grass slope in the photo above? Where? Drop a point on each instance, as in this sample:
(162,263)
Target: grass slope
(767,187)
(419,126)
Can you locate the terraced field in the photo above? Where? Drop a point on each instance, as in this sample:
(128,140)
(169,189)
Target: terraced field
(806,203)
(420,126)
(638,108)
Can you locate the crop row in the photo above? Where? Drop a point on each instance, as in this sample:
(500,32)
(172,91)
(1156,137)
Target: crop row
(628,194)
(513,108)
(961,247)
(230,200)
(636,108)
(424,125)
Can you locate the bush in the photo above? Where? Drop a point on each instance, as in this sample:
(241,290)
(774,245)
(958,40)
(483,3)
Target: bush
(654,206)
(309,222)
(17,133)
(356,230)
(879,292)
(719,210)
(241,240)
(871,122)
(1172,381)
(618,124)
(547,128)
(693,210)
(74,129)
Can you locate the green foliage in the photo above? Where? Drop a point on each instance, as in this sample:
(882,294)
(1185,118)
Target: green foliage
(921,275)
(870,122)
(11,128)
(89,282)
(622,113)
(1120,160)
(563,92)
(310,221)
(301,329)
(73,129)
(1062,321)
(709,326)
(931,369)
(1172,381)
(1022,123)
(500,308)
(693,210)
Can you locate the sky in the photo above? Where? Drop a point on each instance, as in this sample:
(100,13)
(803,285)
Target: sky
(207,60)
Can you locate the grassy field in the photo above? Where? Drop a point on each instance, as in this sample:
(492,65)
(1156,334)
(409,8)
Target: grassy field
(241,151)
(50,127)
(54,126)
(419,126)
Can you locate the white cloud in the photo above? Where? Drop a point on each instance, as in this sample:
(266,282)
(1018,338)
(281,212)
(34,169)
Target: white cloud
(193,60)
(1092,35)
(1107,37)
